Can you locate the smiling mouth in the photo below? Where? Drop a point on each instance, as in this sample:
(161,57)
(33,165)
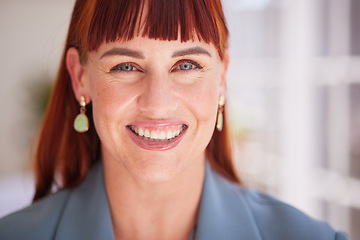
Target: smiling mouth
(161,134)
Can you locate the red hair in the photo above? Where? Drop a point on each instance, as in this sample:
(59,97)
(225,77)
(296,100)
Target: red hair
(64,157)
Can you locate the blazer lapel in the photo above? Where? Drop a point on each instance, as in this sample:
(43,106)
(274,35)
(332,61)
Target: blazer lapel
(87,213)
(224,212)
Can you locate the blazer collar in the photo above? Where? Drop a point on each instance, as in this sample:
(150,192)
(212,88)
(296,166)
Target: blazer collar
(87,213)
(224,212)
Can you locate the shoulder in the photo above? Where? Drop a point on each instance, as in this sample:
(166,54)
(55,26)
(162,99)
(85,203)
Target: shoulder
(283,221)
(78,213)
(37,221)
(274,219)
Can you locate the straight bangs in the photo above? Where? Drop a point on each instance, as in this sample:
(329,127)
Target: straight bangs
(115,20)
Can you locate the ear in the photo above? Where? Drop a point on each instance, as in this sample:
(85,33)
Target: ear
(225,65)
(77,74)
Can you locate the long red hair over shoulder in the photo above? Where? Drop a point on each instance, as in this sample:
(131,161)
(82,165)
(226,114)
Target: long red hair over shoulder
(64,157)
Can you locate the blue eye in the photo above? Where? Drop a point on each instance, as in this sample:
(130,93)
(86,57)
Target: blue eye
(126,67)
(186,66)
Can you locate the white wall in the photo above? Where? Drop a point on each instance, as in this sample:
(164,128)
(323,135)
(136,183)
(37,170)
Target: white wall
(32,34)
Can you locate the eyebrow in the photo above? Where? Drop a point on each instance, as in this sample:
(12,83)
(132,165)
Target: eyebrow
(123,52)
(191,51)
(137,54)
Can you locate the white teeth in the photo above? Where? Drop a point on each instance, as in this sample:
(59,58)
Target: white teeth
(169,134)
(153,135)
(162,135)
(146,133)
(156,134)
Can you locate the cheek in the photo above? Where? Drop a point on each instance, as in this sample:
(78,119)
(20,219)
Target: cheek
(109,102)
(205,104)
(201,103)
(204,99)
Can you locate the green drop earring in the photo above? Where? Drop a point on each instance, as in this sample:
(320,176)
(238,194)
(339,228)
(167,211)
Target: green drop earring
(220,117)
(81,122)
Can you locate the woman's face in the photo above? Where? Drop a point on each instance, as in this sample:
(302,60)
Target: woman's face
(154,103)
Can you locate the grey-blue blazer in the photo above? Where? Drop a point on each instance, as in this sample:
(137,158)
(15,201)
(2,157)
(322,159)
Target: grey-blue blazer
(227,211)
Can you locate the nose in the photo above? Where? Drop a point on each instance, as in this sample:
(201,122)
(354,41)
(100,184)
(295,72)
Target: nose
(158,99)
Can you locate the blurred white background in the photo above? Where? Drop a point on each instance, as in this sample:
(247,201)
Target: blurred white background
(294,93)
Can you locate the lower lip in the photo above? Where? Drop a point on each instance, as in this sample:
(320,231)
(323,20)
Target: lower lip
(156,145)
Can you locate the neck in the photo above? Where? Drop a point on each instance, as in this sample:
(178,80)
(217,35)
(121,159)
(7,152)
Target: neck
(160,210)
